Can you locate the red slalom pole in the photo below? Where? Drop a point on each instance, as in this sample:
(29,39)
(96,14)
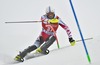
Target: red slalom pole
(54,35)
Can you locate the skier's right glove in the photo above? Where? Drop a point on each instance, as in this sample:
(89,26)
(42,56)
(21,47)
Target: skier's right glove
(72,41)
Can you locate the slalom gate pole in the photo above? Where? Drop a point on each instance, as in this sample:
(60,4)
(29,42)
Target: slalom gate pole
(88,57)
(54,35)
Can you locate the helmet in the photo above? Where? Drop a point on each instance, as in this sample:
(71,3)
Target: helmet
(50,12)
(49,9)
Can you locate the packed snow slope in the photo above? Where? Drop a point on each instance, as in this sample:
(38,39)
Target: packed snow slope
(16,37)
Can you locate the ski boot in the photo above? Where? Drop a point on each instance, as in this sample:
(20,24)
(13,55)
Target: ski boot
(46,52)
(24,53)
(19,58)
(72,41)
(39,50)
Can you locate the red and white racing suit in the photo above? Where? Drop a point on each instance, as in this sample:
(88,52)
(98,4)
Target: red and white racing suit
(46,31)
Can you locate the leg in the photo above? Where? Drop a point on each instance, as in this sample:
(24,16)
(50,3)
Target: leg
(37,43)
(48,43)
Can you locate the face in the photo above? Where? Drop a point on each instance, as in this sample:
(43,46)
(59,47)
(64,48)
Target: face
(50,15)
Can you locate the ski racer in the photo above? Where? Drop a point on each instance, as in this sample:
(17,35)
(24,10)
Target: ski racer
(47,36)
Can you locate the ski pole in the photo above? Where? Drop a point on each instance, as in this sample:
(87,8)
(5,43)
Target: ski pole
(88,56)
(24,22)
(84,39)
(54,35)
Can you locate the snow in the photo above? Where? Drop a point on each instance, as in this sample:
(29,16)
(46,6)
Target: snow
(16,37)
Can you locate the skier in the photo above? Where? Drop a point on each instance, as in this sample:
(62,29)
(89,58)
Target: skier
(47,36)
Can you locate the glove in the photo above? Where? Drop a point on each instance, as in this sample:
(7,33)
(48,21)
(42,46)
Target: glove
(72,41)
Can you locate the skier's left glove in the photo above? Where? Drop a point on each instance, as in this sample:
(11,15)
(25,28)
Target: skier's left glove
(72,41)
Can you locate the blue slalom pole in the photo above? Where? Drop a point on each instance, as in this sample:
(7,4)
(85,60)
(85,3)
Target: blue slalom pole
(88,57)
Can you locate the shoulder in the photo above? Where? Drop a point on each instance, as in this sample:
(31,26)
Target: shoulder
(60,20)
(57,17)
(44,16)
